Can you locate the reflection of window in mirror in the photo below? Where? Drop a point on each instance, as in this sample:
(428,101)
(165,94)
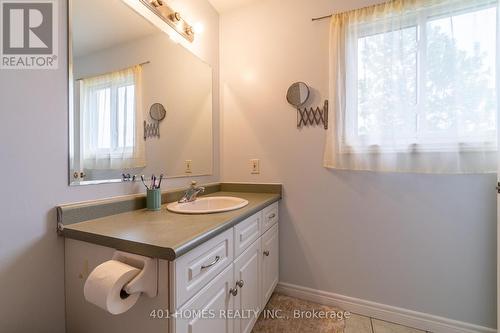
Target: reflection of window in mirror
(110,110)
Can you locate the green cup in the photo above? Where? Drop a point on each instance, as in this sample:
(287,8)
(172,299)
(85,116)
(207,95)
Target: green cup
(153,199)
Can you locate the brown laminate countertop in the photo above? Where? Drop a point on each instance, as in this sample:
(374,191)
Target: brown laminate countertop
(164,234)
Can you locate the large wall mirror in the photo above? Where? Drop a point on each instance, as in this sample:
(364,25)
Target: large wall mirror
(139,102)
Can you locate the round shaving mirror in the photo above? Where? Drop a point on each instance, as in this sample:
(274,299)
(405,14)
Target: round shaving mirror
(157,112)
(297,94)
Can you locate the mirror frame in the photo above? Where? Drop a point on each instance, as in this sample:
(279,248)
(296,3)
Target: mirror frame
(70,95)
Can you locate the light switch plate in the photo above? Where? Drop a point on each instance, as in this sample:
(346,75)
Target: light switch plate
(254,166)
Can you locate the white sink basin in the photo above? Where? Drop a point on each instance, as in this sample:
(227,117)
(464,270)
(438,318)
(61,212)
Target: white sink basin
(206,205)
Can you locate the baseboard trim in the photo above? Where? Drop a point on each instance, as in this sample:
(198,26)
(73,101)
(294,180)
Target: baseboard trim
(389,313)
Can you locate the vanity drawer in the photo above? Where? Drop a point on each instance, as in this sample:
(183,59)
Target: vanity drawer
(246,232)
(198,267)
(270,217)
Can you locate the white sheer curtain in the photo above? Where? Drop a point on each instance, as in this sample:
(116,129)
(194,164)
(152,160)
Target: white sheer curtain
(413,87)
(111,119)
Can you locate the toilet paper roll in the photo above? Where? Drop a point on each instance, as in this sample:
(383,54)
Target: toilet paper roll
(104,286)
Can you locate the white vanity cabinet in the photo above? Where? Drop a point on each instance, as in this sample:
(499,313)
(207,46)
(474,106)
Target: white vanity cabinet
(209,280)
(222,285)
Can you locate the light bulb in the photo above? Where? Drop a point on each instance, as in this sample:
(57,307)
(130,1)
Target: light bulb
(198,28)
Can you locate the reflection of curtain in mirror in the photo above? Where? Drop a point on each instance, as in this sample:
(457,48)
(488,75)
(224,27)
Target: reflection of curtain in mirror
(112,116)
(413,87)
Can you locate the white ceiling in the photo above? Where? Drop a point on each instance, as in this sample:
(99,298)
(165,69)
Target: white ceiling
(226,5)
(98,25)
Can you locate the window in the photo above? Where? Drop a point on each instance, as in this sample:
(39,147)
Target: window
(112,111)
(430,81)
(413,87)
(110,118)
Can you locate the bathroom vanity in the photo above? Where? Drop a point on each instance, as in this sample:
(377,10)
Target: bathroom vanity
(215,274)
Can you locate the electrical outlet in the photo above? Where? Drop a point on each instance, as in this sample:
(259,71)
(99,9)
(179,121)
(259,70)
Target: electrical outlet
(255,166)
(188,165)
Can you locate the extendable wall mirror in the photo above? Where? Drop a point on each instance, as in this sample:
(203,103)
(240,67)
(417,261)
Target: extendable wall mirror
(298,94)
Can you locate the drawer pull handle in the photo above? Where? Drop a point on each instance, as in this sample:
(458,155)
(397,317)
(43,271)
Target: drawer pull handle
(266,253)
(212,263)
(233,291)
(240,283)
(272,216)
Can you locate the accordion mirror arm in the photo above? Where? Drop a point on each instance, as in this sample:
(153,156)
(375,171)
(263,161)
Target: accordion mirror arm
(297,95)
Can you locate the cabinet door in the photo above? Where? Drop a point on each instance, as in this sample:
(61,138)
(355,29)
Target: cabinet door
(270,263)
(206,311)
(247,278)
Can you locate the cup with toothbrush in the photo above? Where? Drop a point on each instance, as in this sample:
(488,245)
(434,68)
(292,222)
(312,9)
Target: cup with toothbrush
(153,192)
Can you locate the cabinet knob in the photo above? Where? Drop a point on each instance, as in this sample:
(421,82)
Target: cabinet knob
(233,291)
(240,283)
(266,253)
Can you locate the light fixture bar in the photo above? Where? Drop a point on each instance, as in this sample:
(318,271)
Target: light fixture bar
(173,18)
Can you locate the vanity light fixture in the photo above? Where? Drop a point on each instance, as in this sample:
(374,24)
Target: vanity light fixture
(175,17)
(171,17)
(157,3)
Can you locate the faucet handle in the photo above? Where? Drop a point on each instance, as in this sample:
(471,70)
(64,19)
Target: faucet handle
(193,183)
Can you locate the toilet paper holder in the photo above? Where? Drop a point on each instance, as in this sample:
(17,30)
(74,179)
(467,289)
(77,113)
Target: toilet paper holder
(147,280)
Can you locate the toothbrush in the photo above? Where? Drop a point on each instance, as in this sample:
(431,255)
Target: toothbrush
(159,183)
(143,182)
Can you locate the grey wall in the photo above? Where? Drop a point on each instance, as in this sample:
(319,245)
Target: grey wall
(420,242)
(33,168)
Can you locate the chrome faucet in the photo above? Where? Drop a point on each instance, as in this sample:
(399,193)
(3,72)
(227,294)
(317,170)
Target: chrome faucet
(191,193)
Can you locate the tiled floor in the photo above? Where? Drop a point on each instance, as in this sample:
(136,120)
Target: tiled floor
(286,323)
